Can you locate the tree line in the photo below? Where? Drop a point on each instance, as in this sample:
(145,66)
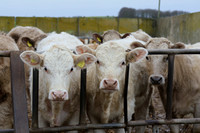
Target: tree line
(146,13)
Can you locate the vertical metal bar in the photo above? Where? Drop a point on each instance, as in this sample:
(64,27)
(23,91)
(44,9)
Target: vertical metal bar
(82,117)
(170,86)
(18,93)
(125,97)
(35,99)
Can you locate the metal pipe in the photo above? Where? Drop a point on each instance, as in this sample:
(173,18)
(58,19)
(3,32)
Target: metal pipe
(170,86)
(164,122)
(174,51)
(5,53)
(125,96)
(82,118)
(35,99)
(81,127)
(7,131)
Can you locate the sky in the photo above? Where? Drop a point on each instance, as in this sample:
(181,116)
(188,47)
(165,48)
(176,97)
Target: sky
(88,8)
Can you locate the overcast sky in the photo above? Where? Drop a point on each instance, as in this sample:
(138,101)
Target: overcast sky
(72,8)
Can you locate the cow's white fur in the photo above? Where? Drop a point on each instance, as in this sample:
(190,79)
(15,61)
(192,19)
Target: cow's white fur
(58,59)
(107,106)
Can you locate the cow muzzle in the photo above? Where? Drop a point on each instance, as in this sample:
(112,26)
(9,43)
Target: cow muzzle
(156,80)
(58,95)
(109,84)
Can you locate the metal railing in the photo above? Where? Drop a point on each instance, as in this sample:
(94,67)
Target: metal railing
(19,100)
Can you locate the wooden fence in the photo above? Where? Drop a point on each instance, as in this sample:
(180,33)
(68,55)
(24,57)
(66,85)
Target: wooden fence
(80,26)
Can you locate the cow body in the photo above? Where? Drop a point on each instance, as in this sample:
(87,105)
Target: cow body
(105,83)
(6,115)
(59,76)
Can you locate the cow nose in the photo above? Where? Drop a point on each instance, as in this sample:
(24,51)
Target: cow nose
(58,95)
(110,83)
(156,80)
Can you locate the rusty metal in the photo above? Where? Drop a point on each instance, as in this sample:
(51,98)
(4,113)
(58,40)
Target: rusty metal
(18,93)
(170,86)
(82,117)
(125,96)
(35,98)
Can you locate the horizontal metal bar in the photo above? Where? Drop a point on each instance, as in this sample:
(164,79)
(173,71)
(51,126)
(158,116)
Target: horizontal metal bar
(81,127)
(7,131)
(165,122)
(5,53)
(174,51)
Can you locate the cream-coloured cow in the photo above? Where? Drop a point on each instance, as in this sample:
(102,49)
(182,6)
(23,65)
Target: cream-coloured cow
(141,35)
(59,76)
(6,114)
(105,82)
(186,81)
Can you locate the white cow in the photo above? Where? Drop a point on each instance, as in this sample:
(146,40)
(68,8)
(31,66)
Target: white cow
(59,76)
(105,82)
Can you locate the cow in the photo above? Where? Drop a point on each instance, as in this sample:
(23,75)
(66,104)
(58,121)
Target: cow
(59,76)
(141,35)
(105,82)
(186,81)
(6,114)
(27,37)
(108,35)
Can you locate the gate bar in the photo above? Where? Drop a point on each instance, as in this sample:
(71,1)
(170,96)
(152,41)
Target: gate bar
(82,117)
(174,51)
(35,98)
(18,93)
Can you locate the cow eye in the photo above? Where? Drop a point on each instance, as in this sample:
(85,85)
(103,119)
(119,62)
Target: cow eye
(123,63)
(98,62)
(45,69)
(148,58)
(165,59)
(71,69)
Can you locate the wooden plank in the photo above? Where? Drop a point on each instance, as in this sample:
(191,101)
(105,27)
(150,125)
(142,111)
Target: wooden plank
(7,23)
(68,25)
(47,24)
(26,21)
(107,24)
(18,94)
(127,25)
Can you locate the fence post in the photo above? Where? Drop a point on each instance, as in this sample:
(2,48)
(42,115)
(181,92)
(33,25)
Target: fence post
(18,94)
(196,127)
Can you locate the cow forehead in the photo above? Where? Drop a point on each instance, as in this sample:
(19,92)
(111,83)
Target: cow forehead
(58,58)
(110,52)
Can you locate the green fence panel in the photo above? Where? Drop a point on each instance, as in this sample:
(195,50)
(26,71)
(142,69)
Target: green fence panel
(128,25)
(67,25)
(47,24)
(107,24)
(7,23)
(26,21)
(147,25)
(87,26)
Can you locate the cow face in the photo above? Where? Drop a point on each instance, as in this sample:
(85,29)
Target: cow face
(111,64)
(157,65)
(57,70)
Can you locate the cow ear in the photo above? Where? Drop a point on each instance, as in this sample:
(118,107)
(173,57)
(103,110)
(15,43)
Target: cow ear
(28,42)
(31,58)
(136,55)
(125,35)
(84,49)
(136,44)
(84,60)
(178,45)
(98,38)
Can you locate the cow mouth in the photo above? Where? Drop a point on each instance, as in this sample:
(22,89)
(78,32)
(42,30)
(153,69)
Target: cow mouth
(109,89)
(59,99)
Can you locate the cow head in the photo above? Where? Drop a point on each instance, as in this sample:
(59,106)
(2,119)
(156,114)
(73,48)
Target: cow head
(109,35)
(111,63)
(58,68)
(157,65)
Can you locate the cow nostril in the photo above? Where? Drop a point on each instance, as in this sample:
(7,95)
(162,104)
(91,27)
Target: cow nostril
(115,83)
(105,82)
(160,79)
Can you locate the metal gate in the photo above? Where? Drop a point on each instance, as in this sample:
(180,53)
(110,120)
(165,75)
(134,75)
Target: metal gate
(20,106)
